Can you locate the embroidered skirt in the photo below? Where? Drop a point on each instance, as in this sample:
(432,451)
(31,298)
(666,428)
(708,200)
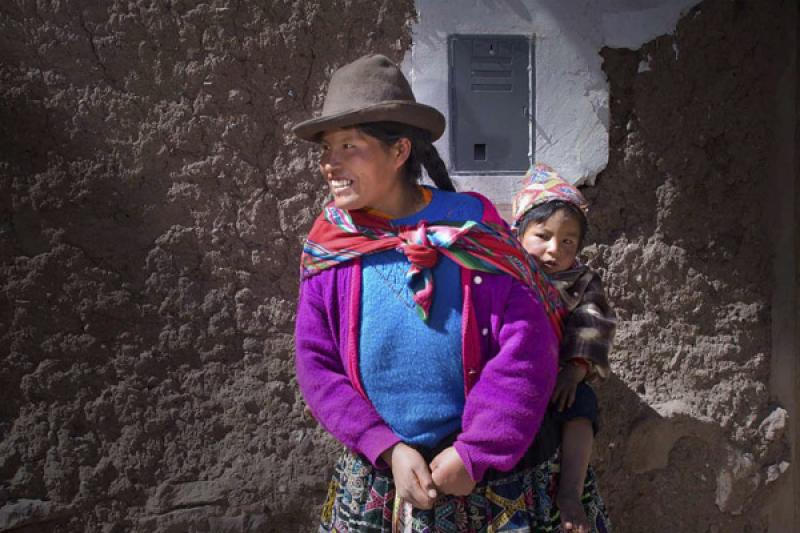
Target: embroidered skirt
(361,499)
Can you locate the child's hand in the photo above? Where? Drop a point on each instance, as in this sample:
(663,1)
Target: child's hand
(412,477)
(566,384)
(449,473)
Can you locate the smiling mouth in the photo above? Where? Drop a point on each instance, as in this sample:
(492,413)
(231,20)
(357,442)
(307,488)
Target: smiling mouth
(340,185)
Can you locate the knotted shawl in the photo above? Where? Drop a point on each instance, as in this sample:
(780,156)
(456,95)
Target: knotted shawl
(338,236)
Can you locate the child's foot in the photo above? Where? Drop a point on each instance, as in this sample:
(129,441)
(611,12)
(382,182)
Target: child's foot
(573,517)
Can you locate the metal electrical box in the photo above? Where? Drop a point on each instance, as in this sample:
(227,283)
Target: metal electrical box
(491,103)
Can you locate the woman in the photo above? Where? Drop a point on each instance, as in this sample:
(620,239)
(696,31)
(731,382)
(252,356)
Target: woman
(420,343)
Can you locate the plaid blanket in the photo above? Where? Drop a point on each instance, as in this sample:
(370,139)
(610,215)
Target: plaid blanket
(590,322)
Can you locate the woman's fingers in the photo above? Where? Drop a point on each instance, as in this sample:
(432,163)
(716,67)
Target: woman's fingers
(425,489)
(411,489)
(412,477)
(435,462)
(425,480)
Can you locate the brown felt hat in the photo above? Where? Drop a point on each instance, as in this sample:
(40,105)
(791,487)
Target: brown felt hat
(370,89)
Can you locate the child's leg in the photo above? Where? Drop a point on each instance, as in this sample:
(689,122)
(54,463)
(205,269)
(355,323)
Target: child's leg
(576,449)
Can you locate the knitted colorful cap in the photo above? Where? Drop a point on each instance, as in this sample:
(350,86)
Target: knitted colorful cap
(542,184)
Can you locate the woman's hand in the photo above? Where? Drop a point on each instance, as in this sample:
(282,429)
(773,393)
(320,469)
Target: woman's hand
(412,477)
(566,385)
(449,473)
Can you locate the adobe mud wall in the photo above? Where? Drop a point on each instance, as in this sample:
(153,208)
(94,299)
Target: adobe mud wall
(152,206)
(684,224)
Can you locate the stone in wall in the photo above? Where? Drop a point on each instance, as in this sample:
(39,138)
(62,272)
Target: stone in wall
(152,206)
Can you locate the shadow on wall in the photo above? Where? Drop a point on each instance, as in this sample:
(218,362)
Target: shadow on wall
(648,463)
(152,207)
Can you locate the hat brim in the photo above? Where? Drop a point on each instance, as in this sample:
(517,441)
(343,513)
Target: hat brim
(404,112)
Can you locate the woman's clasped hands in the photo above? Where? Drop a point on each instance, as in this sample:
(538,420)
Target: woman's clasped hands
(449,473)
(419,483)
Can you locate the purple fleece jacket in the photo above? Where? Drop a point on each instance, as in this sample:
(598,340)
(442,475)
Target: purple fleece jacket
(510,364)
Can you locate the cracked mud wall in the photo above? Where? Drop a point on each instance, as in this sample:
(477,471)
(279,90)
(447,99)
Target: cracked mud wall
(682,219)
(152,207)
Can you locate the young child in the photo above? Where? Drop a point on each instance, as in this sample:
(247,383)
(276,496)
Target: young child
(550,221)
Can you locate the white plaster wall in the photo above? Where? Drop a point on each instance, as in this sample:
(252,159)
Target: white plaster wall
(571,90)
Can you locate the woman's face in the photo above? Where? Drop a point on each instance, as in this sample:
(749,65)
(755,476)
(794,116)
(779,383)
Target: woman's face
(361,171)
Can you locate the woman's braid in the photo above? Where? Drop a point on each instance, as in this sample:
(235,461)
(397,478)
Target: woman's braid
(429,157)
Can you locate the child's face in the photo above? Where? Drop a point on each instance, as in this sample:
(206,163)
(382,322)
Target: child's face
(553,242)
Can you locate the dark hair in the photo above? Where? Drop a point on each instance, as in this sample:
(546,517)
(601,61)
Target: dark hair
(423,153)
(542,212)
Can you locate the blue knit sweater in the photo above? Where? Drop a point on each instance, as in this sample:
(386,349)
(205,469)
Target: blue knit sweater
(412,370)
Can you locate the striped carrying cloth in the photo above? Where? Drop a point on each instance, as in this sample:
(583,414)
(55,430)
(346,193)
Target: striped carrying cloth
(338,236)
